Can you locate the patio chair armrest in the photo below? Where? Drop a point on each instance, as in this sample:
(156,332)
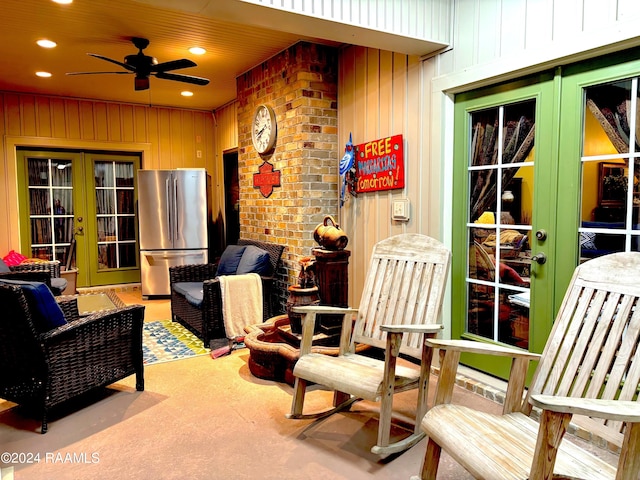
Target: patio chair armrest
(198,272)
(69,306)
(617,410)
(43,276)
(210,282)
(557,412)
(469,346)
(94,324)
(450,351)
(52,266)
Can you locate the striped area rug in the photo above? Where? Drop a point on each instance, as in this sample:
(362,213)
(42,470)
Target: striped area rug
(165,341)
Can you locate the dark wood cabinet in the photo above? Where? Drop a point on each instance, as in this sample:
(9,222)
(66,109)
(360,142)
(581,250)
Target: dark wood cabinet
(332,278)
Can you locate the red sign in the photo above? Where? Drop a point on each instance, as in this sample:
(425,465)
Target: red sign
(266,179)
(380,165)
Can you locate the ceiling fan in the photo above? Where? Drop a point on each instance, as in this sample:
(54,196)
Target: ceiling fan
(144,66)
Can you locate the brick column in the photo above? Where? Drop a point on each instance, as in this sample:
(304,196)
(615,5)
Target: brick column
(300,84)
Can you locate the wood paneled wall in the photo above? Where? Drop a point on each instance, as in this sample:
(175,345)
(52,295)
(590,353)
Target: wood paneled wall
(424,19)
(380,94)
(495,38)
(226,139)
(166,138)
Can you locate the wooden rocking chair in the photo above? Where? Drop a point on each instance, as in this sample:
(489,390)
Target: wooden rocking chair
(588,373)
(402,295)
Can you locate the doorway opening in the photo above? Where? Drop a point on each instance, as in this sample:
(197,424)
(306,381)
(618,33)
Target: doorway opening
(231,197)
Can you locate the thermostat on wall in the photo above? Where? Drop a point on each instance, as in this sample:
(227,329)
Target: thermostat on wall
(400,210)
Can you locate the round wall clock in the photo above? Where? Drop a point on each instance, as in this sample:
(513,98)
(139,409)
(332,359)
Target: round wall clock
(263,129)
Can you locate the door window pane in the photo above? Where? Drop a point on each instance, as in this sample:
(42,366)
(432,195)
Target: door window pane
(50,207)
(106,256)
(609,107)
(500,207)
(38,172)
(127,255)
(610,170)
(115,214)
(61,173)
(126,228)
(104,202)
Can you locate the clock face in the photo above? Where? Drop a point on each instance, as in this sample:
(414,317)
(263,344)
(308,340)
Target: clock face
(263,129)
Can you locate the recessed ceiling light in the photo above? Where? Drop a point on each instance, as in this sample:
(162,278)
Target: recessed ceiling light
(186,93)
(197,50)
(44,43)
(63,2)
(43,74)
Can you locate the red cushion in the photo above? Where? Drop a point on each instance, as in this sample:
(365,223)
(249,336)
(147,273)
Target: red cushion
(13,258)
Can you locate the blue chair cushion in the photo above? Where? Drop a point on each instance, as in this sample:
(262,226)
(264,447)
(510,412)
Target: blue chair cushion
(4,268)
(45,311)
(254,260)
(195,298)
(230,259)
(58,284)
(192,291)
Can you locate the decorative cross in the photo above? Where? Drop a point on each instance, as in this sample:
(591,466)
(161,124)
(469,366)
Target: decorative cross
(266,179)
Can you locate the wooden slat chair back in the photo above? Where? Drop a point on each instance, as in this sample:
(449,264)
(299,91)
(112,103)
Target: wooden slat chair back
(403,287)
(593,348)
(399,307)
(588,373)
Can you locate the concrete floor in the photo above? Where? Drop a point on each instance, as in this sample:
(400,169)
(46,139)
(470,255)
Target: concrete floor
(201,418)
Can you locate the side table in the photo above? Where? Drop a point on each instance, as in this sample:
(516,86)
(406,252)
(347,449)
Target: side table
(90,303)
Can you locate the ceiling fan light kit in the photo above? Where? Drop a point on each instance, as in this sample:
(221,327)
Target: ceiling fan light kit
(143,66)
(141,83)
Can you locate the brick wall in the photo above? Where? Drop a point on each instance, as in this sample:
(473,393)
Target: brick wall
(300,84)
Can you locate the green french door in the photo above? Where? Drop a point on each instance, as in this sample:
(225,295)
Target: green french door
(79,208)
(505,233)
(604,213)
(548,170)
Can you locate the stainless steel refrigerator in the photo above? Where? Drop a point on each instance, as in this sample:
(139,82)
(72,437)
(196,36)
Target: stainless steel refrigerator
(173,216)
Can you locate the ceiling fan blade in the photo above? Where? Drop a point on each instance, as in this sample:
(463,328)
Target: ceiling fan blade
(97,73)
(173,65)
(183,78)
(123,65)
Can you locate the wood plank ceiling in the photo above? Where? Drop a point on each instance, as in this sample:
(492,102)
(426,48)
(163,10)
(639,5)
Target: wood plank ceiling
(105,27)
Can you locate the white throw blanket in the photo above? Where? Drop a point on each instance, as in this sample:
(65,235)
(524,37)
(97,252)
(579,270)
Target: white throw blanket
(241,302)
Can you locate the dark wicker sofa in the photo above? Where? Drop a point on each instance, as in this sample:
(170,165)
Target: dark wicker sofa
(43,368)
(205,319)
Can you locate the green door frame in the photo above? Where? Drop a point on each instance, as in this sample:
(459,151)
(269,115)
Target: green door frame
(575,78)
(541,88)
(108,276)
(86,249)
(557,172)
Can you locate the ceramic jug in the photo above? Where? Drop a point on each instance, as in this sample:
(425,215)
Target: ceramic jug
(329,235)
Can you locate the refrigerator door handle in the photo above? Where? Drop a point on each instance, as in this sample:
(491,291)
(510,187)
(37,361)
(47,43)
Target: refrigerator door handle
(169,203)
(175,209)
(165,256)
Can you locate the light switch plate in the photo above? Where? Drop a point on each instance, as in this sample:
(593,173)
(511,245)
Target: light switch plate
(400,210)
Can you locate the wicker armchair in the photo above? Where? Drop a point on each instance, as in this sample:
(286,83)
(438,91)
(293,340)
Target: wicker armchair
(206,320)
(52,267)
(42,370)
